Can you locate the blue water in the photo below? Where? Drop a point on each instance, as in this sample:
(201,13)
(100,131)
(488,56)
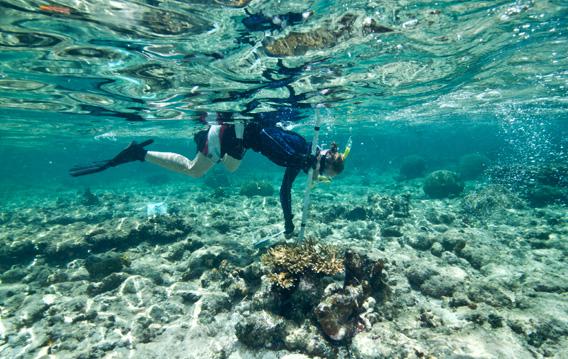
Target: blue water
(81,79)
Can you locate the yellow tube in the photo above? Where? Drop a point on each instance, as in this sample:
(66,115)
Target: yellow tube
(347,149)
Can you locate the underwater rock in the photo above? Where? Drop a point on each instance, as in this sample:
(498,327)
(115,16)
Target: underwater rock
(522,175)
(261,330)
(452,241)
(435,217)
(164,22)
(64,249)
(412,166)
(489,200)
(337,313)
(460,300)
(261,188)
(307,339)
(161,229)
(101,265)
(303,299)
(89,199)
(15,251)
(144,329)
(420,242)
(437,249)
(385,341)
(100,239)
(442,184)
(299,275)
(552,174)
(476,256)
(356,214)
(204,259)
(108,283)
(543,195)
(13,275)
(334,212)
(215,303)
(428,319)
(438,286)
(359,230)
(491,294)
(176,251)
(227,278)
(417,274)
(365,270)
(472,165)
(391,231)
(548,329)
(299,43)
(384,206)
(222,226)
(151,268)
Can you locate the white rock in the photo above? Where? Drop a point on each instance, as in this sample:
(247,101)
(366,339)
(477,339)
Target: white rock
(295,356)
(49,299)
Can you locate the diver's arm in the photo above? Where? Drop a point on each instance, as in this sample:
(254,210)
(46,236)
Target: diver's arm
(286,198)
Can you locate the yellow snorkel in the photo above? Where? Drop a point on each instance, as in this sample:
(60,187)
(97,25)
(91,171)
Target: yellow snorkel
(347,149)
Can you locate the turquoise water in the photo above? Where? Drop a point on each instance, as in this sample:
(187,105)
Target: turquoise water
(442,80)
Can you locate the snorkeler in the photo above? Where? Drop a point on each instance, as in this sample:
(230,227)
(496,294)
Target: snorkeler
(227,144)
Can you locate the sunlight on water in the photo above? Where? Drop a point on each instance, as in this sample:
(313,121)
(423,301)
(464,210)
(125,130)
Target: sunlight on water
(170,60)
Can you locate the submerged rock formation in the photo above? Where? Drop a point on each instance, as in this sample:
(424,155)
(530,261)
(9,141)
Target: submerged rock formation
(442,184)
(299,43)
(300,288)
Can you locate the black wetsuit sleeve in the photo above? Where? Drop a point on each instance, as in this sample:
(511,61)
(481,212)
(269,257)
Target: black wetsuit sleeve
(286,194)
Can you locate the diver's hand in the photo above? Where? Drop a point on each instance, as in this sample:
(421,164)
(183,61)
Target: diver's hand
(311,161)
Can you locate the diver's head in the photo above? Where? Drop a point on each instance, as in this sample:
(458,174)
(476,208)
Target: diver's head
(332,161)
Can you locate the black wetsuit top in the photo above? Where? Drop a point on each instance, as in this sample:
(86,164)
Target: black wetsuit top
(285,148)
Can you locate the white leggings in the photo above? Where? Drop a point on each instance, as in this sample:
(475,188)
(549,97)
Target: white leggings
(181,164)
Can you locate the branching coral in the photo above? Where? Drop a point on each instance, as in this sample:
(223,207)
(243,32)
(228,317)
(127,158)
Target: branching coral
(290,262)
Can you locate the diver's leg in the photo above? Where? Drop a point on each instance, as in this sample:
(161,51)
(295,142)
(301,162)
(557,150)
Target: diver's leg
(231,163)
(178,163)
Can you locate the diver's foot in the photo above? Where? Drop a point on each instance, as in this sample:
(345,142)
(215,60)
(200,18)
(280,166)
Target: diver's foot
(134,152)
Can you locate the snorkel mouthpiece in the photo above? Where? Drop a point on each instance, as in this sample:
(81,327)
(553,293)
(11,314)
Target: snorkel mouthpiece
(347,149)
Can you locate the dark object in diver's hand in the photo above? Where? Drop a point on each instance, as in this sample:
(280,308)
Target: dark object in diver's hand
(134,152)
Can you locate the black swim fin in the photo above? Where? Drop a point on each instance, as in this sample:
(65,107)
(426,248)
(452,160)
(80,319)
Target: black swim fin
(134,152)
